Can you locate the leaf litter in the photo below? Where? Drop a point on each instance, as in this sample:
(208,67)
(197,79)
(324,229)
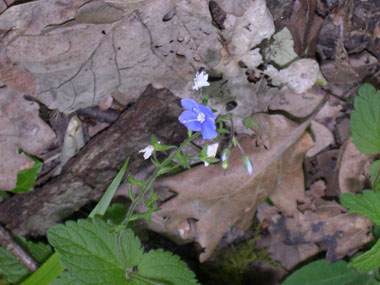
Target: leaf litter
(82,54)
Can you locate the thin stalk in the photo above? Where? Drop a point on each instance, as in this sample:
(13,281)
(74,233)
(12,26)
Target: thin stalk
(155,174)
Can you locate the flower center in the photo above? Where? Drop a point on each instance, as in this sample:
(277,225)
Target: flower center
(201,117)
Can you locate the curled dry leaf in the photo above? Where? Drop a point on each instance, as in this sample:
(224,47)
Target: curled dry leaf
(211,200)
(20,128)
(353,168)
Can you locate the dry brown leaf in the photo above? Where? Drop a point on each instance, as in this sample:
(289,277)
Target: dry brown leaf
(298,105)
(79,52)
(353,168)
(343,85)
(305,26)
(322,138)
(323,225)
(20,128)
(324,166)
(211,200)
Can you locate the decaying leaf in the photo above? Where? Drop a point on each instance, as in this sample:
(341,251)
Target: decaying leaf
(305,25)
(321,225)
(20,128)
(79,52)
(322,137)
(353,168)
(299,76)
(211,200)
(343,85)
(298,105)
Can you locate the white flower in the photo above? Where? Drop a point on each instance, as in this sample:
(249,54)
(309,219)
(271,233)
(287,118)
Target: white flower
(211,152)
(147,151)
(200,80)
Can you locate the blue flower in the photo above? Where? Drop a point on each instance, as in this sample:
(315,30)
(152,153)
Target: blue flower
(198,117)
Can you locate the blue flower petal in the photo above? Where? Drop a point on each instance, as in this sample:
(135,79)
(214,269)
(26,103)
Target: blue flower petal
(190,104)
(208,129)
(189,119)
(207,111)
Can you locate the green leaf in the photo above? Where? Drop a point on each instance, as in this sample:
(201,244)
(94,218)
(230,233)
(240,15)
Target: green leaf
(164,267)
(365,120)
(366,204)
(47,273)
(322,273)
(163,170)
(103,204)
(183,160)
(115,213)
(248,122)
(132,180)
(93,254)
(39,250)
(64,279)
(374,175)
(27,177)
(52,268)
(10,268)
(368,260)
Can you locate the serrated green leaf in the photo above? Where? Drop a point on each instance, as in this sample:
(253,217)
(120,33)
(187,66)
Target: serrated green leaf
(52,267)
(10,268)
(368,260)
(374,175)
(164,268)
(366,204)
(365,120)
(322,273)
(39,250)
(93,254)
(27,177)
(64,279)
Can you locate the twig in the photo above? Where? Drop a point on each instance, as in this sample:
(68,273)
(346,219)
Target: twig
(7,242)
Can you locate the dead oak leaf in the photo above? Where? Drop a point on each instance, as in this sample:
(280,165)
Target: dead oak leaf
(20,128)
(211,200)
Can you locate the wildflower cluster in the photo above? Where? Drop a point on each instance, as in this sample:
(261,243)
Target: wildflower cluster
(200,118)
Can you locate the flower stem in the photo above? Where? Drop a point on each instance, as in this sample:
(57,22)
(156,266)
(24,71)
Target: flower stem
(153,177)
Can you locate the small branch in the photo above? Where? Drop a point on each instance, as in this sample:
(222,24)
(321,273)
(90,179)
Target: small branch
(7,242)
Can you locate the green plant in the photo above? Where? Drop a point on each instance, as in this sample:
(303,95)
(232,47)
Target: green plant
(104,244)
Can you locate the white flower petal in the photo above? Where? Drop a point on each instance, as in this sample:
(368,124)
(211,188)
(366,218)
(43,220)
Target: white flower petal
(212,149)
(200,80)
(147,151)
